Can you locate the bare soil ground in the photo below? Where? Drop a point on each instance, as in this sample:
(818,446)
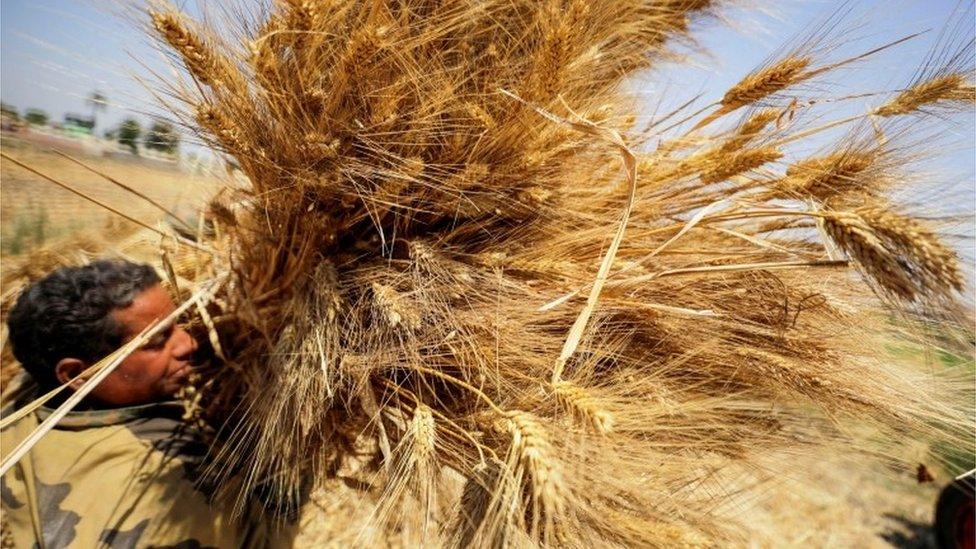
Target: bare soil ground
(831,500)
(838,500)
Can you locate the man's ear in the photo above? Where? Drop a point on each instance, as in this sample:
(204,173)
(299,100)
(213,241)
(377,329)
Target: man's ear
(68,369)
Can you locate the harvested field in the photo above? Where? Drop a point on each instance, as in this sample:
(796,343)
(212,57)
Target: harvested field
(34,211)
(837,500)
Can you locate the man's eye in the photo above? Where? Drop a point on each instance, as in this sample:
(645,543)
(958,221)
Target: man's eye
(159,341)
(154,343)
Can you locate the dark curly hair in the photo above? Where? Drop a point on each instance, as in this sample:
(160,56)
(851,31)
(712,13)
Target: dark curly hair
(67,314)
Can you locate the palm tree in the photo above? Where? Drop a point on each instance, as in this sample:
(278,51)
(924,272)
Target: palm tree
(98,102)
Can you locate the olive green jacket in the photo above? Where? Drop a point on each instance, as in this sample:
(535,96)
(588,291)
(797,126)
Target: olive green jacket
(118,478)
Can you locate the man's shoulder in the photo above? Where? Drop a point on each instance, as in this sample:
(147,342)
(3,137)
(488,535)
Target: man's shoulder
(17,392)
(159,427)
(115,475)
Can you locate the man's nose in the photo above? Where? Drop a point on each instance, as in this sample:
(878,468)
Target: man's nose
(183,345)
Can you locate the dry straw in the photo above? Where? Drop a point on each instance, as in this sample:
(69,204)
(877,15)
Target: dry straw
(442,276)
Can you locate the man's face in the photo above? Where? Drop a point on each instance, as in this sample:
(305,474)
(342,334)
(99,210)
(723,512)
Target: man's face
(156,370)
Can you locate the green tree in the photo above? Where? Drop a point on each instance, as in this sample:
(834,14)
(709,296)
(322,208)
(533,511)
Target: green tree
(36,117)
(129,132)
(162,137)
(10,111)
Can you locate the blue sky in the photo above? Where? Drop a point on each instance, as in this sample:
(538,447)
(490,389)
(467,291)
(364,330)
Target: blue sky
(53,53)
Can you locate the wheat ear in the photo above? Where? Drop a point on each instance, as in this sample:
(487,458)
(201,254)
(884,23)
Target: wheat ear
(900,255)
(765,82)
(584,405)
(726,166)
(203,62)
(948,88)
(393,307)
(826,176)
(533,456)
(749,130)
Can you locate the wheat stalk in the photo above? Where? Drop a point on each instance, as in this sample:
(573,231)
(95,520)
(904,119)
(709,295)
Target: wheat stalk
(827,176)
(581,403)
(534,459)
(263,56)
(749,130)
(394,308)
(897,252)
(473,521)
(938,262)
(420,467)
(949,88)
(765,82)
(423,432)
(759,85)
(224,129)
(203,62)
(725,166)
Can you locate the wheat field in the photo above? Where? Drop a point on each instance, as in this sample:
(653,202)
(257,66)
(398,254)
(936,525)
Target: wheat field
(34,211)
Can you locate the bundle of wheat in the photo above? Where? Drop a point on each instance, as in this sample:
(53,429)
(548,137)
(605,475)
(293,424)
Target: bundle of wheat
(442,278)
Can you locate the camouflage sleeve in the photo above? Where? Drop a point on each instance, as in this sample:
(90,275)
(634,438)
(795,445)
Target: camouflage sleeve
(119,478)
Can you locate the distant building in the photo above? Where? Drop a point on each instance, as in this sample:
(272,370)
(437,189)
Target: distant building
(76,125)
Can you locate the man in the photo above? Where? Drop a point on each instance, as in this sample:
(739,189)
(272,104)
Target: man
(119,470)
